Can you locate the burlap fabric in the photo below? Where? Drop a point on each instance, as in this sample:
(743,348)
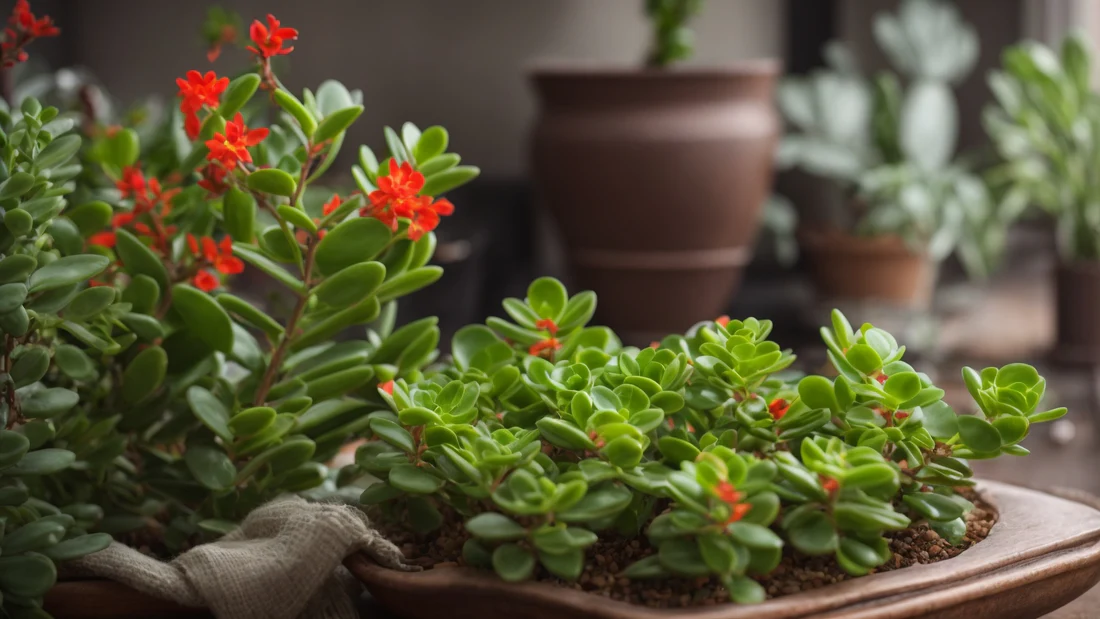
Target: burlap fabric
(284,562)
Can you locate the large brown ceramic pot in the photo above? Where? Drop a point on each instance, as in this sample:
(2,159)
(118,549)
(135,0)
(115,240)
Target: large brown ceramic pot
(1078,312)
(873,269)
(656,180)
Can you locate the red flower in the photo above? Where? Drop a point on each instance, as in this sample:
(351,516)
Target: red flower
(122,219)
(23,27)
(132,183)
(387,387)
(158,196)
(205,280)
(200,90)
(545,348)
(213,179)
(881,378)
(722,320)
(778,407)
(269,39)
(103,239)
(547,325)
(829,484)
(425,217)
(331,205)
(219,255)
(232,147)
(395,195)
(729,495)
(192,126)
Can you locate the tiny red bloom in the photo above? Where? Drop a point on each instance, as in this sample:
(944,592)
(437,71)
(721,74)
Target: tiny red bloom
(192,126)
(425,216)
(225,261)
(23,27)
(547,325)
(778,407)
(829,484)
(213,179)
(331,205)
(269,39)
(199,90)
(132,183)
(545,347)
(730,496)
(231,147)
(881,378)
(901,415)
(396,197)
(122,219)
(722,320)
(387,387)
(205,280)
(103,239)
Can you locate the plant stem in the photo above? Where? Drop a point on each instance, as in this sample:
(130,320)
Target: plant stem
(292,324)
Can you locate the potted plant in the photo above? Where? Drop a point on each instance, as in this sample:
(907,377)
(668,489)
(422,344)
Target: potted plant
(1042,123)
(896,199)
(544,449)
(631,151)
(142,398)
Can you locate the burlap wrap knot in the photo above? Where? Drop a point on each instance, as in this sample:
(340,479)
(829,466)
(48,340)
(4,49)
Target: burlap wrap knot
(284,562)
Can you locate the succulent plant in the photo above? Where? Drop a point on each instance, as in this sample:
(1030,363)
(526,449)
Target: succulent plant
(672,41)
(1045,124)
(892,149)
(545,433)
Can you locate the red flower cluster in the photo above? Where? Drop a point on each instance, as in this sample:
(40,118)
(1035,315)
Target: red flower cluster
(196,92)
(213,179)
(269,39)
(726,493)
(547,325)
(778,407)
(219,256)
(231,148)
(545,348)
(149,198)
(396,197)
(23,27)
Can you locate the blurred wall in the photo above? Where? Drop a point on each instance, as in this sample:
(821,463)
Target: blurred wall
(460,63)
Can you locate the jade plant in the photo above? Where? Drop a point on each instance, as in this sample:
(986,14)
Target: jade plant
(1043,123)
(890,150)
(672,40)
(543,434)
(147,395)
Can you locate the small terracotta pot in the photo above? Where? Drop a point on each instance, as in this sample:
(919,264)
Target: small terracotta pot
(1043,553)
(881,268)
(1078,312)
(656,179)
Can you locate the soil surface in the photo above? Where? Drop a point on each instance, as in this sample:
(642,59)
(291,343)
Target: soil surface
(610,555)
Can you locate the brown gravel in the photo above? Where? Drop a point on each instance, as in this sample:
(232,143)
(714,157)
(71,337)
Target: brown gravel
(608,557)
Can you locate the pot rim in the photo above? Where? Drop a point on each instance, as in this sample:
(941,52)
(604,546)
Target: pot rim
(833,241)
(1063,537)
(602,70)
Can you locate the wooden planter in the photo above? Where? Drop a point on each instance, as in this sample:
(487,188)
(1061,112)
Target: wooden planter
(1043,552)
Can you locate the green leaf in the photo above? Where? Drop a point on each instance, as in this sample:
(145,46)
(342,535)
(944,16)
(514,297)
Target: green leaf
(683,557)
(58,151)
(77,547)
(812,534)
(1012,429)
(336,123)
(649,567)
(91,217)
(351,285)
(604,502)
(624,452)
(210,466)
(43,462)
(46,403)
(250,255)
(251,421)
(718,553)
(144,374)
(352,242)
(547,297)
(88,303)
(408,282)
(512,563)
(744,590)
(121,149)
(903,385)
(273,181)
(338,383)
(864,358)
(13,446)
(1051,415)
(16,185)
(439,184)
(755,536)
(432,143)
(239,214)
(139,259)
(817,392)
(251,315)
(66,271)
(210,411)
(203,316)
(934,506)
(393,434)
(30,367)
(238,93)
(495,528)
(13,296)
(564,434)
(978,434)
(28,576)
(567,565)
(291,105)
(868,476)
(677,450)
(17,268)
